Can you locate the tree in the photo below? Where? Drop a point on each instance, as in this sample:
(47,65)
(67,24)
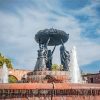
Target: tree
(5,60)
(12,79)
(1,59)
(8,62)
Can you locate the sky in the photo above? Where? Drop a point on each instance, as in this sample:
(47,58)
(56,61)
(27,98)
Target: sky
(20,20)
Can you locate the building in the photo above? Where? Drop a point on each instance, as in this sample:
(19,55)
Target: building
(92,78)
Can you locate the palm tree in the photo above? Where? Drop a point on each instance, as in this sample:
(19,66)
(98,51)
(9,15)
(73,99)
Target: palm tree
(5,60)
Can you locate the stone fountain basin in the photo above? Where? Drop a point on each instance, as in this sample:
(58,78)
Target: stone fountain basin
(51,91)
(54,35)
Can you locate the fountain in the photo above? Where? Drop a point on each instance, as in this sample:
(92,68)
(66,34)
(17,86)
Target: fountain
(44,83)
(74,67)
(50,37)
(4,77)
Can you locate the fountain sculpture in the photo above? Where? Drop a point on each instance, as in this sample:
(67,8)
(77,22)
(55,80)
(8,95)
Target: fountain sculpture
(54,37)
(51,37)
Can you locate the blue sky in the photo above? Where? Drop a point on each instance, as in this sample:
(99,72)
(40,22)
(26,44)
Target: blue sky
(21,19)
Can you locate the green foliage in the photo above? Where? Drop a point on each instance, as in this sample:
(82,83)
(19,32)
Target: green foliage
(5,60)
(55,67)
(12,79)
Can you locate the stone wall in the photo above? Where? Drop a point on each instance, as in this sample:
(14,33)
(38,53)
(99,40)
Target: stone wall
(49,91)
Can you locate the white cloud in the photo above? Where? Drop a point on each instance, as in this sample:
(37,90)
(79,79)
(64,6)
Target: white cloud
(17,34)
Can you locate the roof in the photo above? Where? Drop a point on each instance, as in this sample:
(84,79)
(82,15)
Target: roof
(92,74)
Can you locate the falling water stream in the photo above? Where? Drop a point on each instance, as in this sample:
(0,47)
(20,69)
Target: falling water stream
(4,74)
(74,68)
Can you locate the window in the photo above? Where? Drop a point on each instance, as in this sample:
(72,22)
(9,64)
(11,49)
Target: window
(91,80)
